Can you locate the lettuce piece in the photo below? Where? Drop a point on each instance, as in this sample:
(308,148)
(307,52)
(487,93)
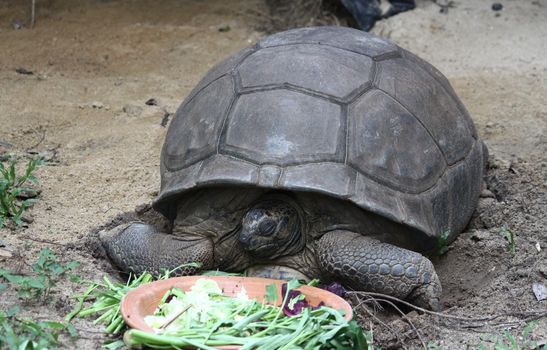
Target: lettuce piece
(208,286)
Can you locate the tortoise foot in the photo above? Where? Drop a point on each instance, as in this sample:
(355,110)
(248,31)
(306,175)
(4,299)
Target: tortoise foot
(137,247)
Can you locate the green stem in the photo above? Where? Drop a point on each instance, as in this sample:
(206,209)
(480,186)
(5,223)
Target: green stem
(135,337)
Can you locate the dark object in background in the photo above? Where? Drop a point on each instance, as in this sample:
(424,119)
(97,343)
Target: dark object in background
(18,24)
(367,12)
(497,6)
(24,71)
(151,102)
(165,119)
(289,14)
(445,5)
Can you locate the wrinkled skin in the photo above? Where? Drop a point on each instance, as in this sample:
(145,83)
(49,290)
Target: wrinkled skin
(278,235)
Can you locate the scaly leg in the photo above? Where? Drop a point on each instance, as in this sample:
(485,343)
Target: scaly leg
(139,247)
(364,263)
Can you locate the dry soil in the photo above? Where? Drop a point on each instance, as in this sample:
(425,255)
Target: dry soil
(95,64)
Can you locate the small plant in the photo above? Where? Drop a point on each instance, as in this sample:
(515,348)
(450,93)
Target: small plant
(442,243)
(47,273)
(24,334)
(12,186)
(510,237)
(510,342)
(369,337)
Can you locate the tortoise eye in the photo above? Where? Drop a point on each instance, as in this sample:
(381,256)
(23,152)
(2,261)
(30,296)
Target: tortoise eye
(266,227)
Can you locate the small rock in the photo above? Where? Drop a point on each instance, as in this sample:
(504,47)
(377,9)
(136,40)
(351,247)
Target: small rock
(6,251)
(17,24)
(540,291)
(142,208)
(480,235)
(224,29)
(29,193)
(412,314)
(97,105)
(151,102)
(26,217)
(132,110)
(24,71)
(49,156)
(498,163)
(485,203)
(497,6)
(486,193)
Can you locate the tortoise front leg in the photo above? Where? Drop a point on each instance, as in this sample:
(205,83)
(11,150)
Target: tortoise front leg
(139,247)
(367,264)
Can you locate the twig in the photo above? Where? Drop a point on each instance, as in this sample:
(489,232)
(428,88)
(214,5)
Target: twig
(377,320)
(33,14)
(42,137)
(526,315)
(163,326)
(389,297)
(255,14)
(5,144)
(403,315)
(43,241)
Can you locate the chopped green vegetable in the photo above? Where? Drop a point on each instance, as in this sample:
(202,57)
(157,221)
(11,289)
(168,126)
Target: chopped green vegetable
(271,293)
(108,297)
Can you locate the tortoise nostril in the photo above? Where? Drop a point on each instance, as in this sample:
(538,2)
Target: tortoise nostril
(244,238)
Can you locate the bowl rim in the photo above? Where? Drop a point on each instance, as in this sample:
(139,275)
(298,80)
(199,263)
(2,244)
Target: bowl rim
(130,305)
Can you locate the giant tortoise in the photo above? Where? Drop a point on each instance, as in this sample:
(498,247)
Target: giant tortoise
(318,152)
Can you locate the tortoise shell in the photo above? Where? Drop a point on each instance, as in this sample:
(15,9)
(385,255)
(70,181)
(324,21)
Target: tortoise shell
(335,111)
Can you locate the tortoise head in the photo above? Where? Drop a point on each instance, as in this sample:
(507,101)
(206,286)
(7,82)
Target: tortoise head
(273,227)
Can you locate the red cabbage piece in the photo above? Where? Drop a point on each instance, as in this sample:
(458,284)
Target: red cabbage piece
(334,287)
(298,305)
(295,308)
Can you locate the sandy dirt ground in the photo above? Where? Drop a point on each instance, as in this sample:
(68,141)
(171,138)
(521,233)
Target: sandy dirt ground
(96,63)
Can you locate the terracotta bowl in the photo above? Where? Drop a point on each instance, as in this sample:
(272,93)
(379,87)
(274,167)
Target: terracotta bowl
(142,301)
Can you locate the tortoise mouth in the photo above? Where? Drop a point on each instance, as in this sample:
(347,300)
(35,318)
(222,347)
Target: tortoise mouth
(257,247)
(261,250)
